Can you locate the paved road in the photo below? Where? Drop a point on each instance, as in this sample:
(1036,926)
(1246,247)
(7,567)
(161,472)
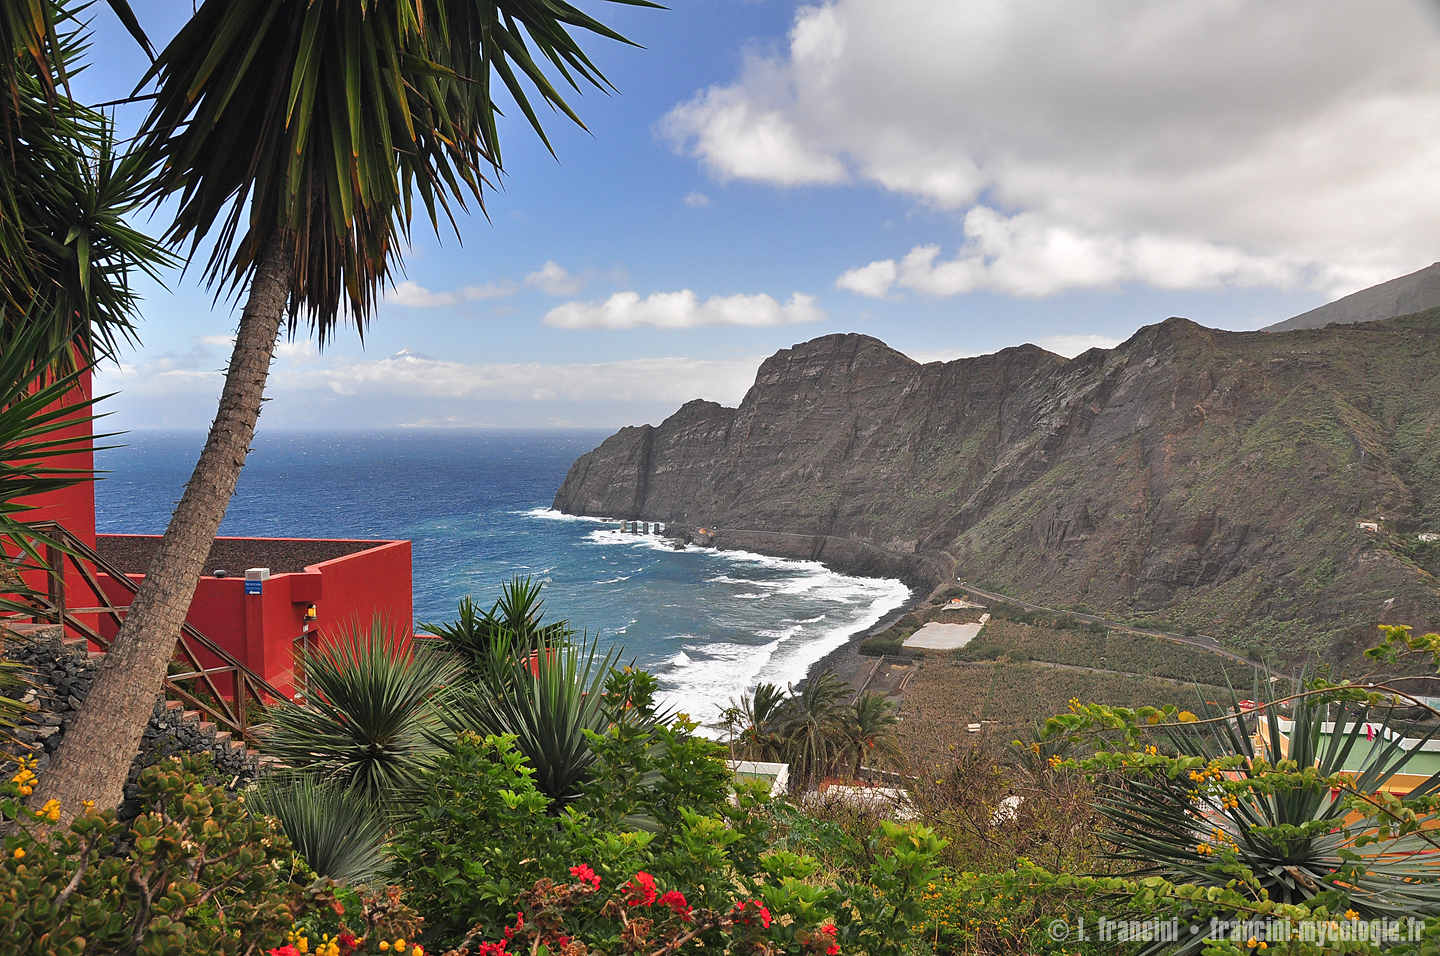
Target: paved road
(1201,641)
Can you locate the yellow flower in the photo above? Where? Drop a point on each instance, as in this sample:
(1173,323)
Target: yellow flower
(1351,914)
(302,944)
(384,946)
(417,951)
(400,946)
(1252,942)
(19,853)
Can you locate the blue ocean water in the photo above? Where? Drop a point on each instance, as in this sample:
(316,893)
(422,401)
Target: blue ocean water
(476,505)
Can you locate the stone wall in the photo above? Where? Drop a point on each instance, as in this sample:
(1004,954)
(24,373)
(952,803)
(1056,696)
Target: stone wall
(60,674)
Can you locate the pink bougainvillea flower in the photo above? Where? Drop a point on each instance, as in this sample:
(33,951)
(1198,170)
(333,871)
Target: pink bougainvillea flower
(286,950)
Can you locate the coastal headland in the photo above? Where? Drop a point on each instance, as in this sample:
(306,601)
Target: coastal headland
(1275,490)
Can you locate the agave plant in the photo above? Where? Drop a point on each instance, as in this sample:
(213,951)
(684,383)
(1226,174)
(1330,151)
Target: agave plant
(339,833)
(370,719)
(548,700)
(1291,836)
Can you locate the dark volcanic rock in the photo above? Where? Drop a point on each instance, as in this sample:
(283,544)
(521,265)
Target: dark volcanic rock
(1195,478)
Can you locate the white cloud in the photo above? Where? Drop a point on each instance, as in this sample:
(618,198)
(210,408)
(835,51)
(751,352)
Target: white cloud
(554,279)
(1072,345)
(416,296)
(1027,256)
(675,380)
(1274,142)
(682,310)
(218,341)
(697,200)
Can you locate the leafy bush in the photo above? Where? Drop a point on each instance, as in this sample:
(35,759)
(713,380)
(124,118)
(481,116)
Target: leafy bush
(202,875)
(659,813)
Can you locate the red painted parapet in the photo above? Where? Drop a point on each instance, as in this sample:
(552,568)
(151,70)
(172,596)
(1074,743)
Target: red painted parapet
(361,580)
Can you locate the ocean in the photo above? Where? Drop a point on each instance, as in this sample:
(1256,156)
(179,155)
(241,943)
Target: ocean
(476,505)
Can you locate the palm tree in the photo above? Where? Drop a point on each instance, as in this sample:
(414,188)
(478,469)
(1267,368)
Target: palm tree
(814,726)
(756,723)
(294,137)
(65,249)
(869,729)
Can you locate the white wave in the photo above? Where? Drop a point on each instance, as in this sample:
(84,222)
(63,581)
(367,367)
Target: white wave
(719,671)
(550,514)
(615,580)
(752,597)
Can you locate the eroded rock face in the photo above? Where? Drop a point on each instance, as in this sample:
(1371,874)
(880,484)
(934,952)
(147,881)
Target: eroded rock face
(1206,479)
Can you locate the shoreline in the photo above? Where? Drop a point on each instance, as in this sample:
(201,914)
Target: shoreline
(846,661)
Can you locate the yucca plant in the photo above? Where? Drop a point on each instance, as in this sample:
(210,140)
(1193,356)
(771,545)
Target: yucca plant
(513,626)
(370,718)
(1290,832)
(548,700)
(335,829)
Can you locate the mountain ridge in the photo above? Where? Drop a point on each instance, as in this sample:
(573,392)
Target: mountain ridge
(1189,477)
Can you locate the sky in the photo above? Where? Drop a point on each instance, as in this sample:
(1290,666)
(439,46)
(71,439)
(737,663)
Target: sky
(953,177)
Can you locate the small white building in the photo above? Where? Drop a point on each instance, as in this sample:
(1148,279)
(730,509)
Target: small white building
(776,774)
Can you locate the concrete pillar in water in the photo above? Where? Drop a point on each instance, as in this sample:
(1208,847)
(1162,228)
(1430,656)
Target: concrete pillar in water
(647,528)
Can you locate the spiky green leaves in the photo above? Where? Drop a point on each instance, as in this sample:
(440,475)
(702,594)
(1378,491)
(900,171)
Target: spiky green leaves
(320,120)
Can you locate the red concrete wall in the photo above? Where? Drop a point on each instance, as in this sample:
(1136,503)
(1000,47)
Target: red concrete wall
(260,629)
(73,507)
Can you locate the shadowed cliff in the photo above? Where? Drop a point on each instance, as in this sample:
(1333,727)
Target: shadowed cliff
(1189,477)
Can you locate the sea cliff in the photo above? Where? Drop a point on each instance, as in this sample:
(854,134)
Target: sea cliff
(1224,482)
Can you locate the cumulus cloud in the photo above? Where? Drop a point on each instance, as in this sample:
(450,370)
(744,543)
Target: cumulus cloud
(1268,142)
(683,310)
(676,380)
(416,296)
(554,279)
(1026,255)
(697,200)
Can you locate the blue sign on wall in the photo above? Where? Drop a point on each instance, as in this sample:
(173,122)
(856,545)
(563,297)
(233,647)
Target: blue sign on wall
(253,587)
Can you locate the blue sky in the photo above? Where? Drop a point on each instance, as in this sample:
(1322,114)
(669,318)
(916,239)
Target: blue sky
(953,177)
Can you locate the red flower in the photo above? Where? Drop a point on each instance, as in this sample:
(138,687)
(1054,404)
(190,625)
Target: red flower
(563,941)
(832,950)
(519,925)
(676,901)
(286,950)
(348,942)
(641,889)
(492,949)
(584,874)
(741,909)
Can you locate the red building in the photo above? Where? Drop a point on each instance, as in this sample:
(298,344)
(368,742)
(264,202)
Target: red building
(312,589)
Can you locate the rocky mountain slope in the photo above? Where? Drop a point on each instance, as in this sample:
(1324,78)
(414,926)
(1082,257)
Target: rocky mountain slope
(1406,295)
(1189,478)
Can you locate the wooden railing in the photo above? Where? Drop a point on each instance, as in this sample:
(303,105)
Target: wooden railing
(195,684)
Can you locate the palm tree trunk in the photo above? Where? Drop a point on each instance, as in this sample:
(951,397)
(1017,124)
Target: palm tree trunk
(94,757)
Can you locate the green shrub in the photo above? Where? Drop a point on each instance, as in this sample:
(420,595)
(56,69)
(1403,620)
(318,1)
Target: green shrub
(202,875)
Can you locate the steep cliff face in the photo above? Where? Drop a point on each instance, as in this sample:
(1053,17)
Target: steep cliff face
(1200,479)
